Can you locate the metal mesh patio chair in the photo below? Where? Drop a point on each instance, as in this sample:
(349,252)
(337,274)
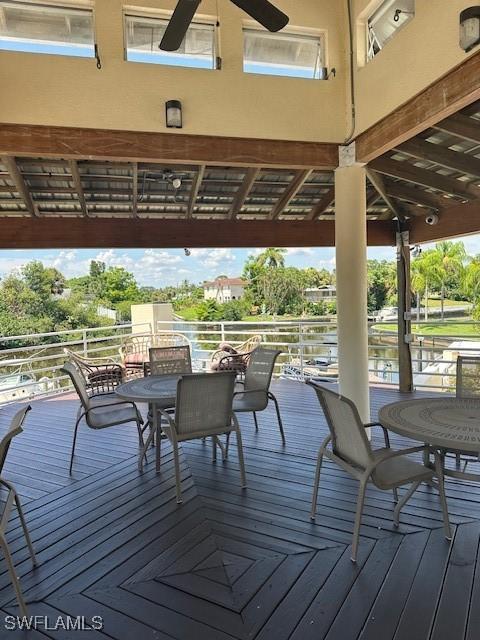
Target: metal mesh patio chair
(256,394)
(102,374)
(234,357)
(386,468)
(100,411)
(168,361)
(203,409)
(12,498)
(467,386)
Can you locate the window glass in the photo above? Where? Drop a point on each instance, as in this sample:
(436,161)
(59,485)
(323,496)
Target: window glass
(384,23)
(283,54)
(143,35)
(44,28)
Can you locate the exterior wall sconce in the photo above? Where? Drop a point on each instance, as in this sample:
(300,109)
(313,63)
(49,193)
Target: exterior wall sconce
(173,114)
(470,28)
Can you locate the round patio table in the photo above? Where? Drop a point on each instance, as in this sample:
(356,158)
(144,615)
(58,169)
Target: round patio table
(445,424)
(158,391)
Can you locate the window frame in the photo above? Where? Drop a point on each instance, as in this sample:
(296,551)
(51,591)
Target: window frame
(152,14)
(79,5)
(369,30)
(297,32)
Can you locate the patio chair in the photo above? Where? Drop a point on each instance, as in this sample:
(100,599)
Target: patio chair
(386,468)
(101,374)
(168,361)
(134,349)
(100,411)
(230,357)
(467,385)
(256,394)
(12,497)
(203,409)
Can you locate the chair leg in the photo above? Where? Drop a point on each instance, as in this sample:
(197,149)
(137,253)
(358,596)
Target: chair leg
(176,460)
(255,420)
(214,449)
(401,503)
(13,575)
(358,518)
(280,424)
(458,460)
(441,491)
(395,495)
(316,483)
(241,460)
(74,441)
(25,529)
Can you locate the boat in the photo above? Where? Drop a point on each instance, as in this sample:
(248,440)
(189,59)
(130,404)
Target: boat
(20,383)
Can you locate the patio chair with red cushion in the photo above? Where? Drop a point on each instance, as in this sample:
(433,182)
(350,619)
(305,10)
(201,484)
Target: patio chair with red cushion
(230,357)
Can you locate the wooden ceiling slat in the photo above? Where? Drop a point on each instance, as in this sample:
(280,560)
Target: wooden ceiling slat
(461,162)
(456,221)
(243,192)
(378,183)
(134,190)
(416,175)
(77,181)
(415,196)
(20,184)
(290,192)
(196,184)
(327,199)
(461,126)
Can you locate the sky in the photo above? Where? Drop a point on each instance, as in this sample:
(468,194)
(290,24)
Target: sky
(163,267)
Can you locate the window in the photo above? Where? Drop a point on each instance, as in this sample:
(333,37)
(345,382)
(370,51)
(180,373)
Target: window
(384,23)
(283,54)
(143,35)
(46,28)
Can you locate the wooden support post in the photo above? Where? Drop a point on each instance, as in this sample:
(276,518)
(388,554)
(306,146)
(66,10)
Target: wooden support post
(404,308)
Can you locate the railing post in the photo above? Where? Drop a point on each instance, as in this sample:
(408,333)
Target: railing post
(222,329)
(85,343)
(300,343)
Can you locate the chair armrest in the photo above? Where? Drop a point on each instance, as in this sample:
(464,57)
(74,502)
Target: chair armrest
(110,404)
(395,454)
(168,417)
(369,425)
(241,393)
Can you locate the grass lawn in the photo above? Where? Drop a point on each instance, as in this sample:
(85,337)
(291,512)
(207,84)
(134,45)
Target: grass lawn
(435,303)
(449,329)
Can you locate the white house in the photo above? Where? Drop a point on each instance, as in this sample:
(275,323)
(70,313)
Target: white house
(327,293)
(224,289)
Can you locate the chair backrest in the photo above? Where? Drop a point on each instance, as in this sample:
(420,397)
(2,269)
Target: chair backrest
(249,345)
(78,381)
(170,339)
(136,344)
(468,377)
(204,402)
(14,429)
(349,440)
(260,369)
(168,361)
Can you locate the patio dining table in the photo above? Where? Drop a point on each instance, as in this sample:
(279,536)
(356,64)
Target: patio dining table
(446,424)
(158,391)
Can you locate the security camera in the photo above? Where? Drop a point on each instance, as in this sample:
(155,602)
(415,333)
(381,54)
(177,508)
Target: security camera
(432,219)
(416,251)
(187,252)
(176,183)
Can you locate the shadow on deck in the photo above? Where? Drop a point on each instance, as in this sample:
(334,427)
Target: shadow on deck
(231,564)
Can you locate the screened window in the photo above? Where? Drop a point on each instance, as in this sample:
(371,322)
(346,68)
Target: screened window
(143,35)
(382,25)
(46,28)
(283,54)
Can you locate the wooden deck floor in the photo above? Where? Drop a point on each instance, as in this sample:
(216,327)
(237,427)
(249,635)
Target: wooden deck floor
(229,564)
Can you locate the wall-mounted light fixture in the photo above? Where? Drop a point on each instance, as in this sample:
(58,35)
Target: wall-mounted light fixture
(470,28)
(173,114)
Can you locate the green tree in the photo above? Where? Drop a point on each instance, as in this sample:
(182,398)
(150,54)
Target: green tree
(448,258)
(381,283)
(471,285)
(272,257)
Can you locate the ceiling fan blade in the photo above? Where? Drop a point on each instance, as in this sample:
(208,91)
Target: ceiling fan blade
(264,12)
(178,25)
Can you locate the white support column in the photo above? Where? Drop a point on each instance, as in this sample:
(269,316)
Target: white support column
(351,277)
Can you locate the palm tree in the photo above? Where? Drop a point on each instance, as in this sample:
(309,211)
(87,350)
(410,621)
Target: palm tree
(272,257)
(448,259)
(425,275)
(471,284)
(418,282)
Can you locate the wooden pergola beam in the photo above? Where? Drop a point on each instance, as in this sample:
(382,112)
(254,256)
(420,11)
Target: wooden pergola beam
(290,192)
(325,201)
(415,196)
(377,181)
(444,157)
(447,95)
(77,182)
(196,184)
(461,126)
(135,190)
(168,148)
(20,185)
(81,232)
(243,191)
(423,177)
(455,221)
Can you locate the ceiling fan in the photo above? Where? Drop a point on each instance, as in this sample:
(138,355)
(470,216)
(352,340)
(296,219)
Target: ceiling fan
(260,10)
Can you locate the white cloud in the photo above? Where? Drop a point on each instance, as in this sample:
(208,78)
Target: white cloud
(294,251)
(214,258)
